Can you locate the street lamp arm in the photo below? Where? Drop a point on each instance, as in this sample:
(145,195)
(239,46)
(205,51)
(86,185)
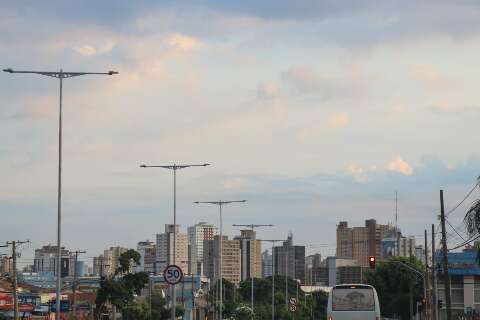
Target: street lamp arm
(60,74)
(408,267)
(175,166)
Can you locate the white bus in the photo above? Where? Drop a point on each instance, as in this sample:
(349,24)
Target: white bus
(353,302)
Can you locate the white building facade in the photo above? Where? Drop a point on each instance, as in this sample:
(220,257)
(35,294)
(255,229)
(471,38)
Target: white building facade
(197,234)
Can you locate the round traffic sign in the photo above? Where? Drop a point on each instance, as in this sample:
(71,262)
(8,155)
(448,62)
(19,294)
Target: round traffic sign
(173,274)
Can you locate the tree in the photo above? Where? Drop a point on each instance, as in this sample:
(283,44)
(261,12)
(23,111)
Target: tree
(120,288)
(393,283)
(237,300)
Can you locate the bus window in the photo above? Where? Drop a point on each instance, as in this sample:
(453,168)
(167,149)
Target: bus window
(353,299)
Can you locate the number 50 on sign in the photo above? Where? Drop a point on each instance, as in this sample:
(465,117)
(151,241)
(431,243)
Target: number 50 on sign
(173,274)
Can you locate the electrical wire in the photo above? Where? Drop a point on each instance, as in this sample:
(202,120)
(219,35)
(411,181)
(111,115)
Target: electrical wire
(465,243)
(461,202)
(454,229)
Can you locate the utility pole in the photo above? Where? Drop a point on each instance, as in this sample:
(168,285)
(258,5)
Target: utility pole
(434,278)
(426,278)
(14,245)
(74,287)
(174,168)
(220,204)
(446,279)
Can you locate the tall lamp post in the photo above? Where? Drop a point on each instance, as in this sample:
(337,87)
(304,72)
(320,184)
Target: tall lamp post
(273,275)
(252,275)
(220,204)
(174,168)
(60,75)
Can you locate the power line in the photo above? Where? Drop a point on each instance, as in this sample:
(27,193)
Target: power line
(454,230)
(465,198)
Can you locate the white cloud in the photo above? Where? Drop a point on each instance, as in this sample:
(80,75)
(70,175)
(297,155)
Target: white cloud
(90,50)
(183,42)
(339,121)
(358,173)
(268,91)
(400,165)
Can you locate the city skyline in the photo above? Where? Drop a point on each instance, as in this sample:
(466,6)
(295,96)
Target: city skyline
(311,128)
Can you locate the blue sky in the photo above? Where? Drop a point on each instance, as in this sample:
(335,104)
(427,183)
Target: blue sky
(315,112)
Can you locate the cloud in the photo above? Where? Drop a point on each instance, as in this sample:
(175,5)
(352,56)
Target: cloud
(338,121)
(89,50)
(183,42)
(334,123)
(267,91)
(358,173)
(400,165)
(430,77)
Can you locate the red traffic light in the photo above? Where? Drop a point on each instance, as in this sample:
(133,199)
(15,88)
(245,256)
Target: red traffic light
(371,262)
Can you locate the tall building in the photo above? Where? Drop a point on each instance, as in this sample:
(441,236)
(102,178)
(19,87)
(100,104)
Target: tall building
(230,258)
(6,265)
(106,263)
(313,260)
(395,244)
(266,264)
(45,261)
(196,235)
(359,243)
(290,260)
(147,250)
(251,255)
(165,249)
(111,259)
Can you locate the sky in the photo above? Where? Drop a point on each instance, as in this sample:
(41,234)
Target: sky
(314,111)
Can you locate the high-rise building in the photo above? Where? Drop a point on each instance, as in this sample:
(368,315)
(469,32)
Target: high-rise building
(266,264)
(45,261)
(359,243)
(394,244)
(6,265)
(165,249)
(251,255)
(230,259)
(106,263)
(196,235)
(147,250)
(111,258)
(313,260)
(290,260)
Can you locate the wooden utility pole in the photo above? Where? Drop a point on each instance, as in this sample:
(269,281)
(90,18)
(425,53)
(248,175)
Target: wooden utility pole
(14,275)
(427,303)
(74,286)
(446,279)
(434,278)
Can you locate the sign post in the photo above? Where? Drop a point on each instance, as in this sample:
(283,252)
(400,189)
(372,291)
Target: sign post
(292,305)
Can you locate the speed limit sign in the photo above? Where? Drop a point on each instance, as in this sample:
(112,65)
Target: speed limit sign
(173,274)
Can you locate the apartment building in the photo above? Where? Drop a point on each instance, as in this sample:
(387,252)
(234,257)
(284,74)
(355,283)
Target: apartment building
(230,259)
(167,253)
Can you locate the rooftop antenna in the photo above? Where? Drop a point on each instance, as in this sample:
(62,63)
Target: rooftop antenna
(397,233)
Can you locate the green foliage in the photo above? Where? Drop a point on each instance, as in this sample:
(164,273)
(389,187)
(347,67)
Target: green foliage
(393,283)
(237,301)
(119,289)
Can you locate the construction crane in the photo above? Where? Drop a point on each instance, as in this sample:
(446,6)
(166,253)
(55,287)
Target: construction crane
(253,226)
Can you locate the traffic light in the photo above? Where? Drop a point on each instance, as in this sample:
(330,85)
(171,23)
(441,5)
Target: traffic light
(440,304)
(371,262)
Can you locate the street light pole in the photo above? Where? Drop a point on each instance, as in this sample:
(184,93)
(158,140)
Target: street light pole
(174,168)
(273,275)
(220,204)
(59,75)
(253,226)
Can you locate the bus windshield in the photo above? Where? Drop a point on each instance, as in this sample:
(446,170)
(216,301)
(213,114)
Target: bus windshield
(353,299)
